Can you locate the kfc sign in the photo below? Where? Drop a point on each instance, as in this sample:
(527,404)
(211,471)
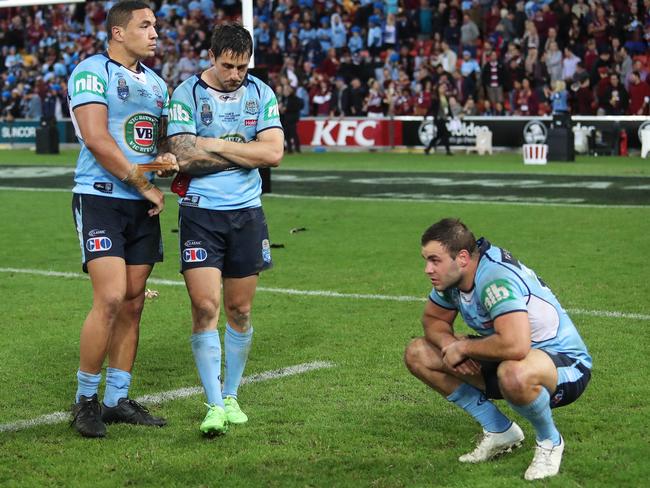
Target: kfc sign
(346,132)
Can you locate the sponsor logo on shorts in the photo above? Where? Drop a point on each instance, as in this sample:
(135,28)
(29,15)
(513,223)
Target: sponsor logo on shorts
(141,133)
(496,292)
(96,232)
(192,243)
(250,122)
(103,187)
(194,255)
(557,398)
(97,244)
(266,251)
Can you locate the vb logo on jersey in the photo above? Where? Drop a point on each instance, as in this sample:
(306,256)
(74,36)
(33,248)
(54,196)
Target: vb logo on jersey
(496,292)
(141,133)
(180,113)
(87,82)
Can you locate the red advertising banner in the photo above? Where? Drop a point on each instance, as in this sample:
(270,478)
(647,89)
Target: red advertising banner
(350,132)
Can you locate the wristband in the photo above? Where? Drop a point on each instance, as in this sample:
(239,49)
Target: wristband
(137,180)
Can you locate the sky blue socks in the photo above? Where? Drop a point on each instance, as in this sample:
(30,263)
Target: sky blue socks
(538,413)
(475,403)
(117,386)
(206,347)
(87,384)
(237,346)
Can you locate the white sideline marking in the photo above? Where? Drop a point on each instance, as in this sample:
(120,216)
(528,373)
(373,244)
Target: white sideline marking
(329,294)
(165,396)
(370,199)
(444,200)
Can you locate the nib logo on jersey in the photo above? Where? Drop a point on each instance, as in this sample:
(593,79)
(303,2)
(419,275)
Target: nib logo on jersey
(194,255)
(496,292)
(87,82)
(141,132)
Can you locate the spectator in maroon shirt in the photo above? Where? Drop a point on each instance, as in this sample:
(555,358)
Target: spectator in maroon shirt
(525,100)
(320,97)
(615,99)
(591,54)
(582,101)
(330,65)
(639,95)
(599,28)
(492,18)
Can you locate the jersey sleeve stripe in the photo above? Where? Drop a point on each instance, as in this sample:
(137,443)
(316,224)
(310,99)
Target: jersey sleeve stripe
(273,127)
(89,103)
(509,311)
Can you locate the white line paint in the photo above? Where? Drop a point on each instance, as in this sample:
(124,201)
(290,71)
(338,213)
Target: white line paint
(469,202)
(326,293)
(481,201)
(166,396)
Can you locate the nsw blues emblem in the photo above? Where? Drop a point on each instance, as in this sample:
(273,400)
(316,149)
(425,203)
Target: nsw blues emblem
(251,107)
(206,114)
(122,89)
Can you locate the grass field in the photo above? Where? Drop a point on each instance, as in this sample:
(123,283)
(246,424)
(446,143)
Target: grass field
(348,291)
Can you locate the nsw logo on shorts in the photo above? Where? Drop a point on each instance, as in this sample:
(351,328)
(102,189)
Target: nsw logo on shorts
(194,255)
(266,251)
(97,244)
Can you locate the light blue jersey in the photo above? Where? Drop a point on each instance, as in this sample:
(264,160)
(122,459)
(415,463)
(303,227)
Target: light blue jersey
(135,101)
(238,116)
(503,285)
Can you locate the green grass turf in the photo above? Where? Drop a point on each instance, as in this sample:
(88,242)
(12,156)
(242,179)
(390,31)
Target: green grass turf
(503,162)
(365,422)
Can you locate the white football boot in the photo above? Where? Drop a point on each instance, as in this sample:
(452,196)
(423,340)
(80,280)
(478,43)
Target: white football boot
(492,444)
(546,461)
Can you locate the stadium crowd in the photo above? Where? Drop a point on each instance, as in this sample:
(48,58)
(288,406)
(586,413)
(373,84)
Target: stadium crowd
(363,57)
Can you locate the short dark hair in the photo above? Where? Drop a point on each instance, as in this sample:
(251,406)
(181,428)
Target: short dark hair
(231,37)
(452,234)
(121,13)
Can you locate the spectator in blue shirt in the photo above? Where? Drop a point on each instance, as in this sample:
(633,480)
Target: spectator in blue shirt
(355,44)
(339,32)
(375,35)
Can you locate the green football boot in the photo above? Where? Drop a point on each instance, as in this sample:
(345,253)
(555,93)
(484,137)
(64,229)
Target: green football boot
(215,422)
(234,415)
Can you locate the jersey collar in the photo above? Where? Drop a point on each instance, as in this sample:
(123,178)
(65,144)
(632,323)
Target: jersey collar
(204,84)
(139,70)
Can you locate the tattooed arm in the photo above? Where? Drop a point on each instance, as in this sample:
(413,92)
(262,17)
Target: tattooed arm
(195,161)
(164,154)
(264,152)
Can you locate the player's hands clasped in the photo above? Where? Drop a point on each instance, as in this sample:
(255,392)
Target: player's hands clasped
(170,163)
(454,358)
